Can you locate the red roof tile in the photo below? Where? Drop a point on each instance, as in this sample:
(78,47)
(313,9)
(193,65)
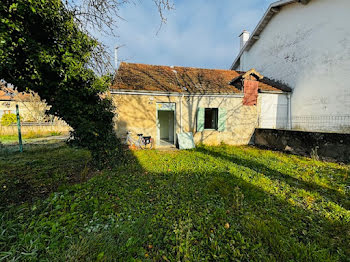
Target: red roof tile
(9,94)
(142,77)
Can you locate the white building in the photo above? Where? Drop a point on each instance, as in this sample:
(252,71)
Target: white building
(306,45)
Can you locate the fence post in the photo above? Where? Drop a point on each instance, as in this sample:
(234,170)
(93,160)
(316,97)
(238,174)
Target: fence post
(19,130)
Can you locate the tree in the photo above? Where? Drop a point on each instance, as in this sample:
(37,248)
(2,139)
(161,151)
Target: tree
(103,16)
(35,107)
(44,48)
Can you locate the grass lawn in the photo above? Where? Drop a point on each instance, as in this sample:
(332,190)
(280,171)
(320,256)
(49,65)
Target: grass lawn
(213,203)
(10,139)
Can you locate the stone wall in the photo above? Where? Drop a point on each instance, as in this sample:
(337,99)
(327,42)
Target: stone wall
(325,146)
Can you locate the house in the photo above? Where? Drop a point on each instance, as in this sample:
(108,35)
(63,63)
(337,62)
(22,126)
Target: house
(306,45)
(9,98)
(32,112)
(215,105)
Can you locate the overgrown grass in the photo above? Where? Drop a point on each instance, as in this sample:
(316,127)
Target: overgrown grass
(37,171)
(27,137)
(213,203)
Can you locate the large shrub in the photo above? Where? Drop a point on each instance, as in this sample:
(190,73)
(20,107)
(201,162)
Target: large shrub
(8,119)
(42,49)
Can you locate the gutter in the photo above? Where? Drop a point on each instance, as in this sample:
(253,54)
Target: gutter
(273,9)
(155,93)
(273,92)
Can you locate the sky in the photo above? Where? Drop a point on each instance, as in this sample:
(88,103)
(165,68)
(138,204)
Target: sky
(198,33)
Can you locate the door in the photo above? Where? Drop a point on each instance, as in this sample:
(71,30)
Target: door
(274,111)
(166,126)
(166,123)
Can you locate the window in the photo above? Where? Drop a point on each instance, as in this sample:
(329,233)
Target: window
(211,118)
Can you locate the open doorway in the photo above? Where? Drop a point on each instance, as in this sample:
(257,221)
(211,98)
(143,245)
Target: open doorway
(166,128)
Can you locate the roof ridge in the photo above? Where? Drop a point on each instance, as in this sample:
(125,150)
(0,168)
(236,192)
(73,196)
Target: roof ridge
(190,67)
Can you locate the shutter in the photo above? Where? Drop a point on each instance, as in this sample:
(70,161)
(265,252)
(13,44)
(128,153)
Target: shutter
(200,119)
(222,119)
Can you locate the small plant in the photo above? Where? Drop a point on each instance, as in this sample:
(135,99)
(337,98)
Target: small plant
(84,173)
(8,119)
(238,198)
(182,231)
(314,154)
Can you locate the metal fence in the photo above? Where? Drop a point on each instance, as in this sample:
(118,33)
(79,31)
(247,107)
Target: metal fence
(36,127)
(322,123)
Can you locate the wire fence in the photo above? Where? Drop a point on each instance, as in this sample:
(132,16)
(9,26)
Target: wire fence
(47,123)
(322,123)
(339,123)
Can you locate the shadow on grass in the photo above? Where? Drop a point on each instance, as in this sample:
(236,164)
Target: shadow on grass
(258,167)
(40,170)
(132,213)
(211,198)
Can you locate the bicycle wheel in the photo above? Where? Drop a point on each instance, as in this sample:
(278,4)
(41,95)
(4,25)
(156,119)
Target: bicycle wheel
(150,144)
(146,144)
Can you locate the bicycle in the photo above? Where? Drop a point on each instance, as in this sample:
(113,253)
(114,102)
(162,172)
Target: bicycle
(143,142)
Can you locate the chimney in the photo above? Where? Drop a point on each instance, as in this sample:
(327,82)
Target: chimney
(244,36)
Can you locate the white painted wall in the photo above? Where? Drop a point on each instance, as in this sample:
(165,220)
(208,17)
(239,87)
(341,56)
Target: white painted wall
(308,48)
(244,37)
(273,111)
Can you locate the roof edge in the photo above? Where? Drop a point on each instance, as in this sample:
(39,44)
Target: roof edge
(163,93)
(176,66)
(271,11)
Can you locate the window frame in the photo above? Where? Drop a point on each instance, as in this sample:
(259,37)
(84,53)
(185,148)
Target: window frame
(215,125)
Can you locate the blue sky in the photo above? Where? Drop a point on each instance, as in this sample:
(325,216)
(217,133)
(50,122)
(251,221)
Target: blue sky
(198,33)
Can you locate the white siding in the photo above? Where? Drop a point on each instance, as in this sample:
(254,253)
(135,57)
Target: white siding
(308,48)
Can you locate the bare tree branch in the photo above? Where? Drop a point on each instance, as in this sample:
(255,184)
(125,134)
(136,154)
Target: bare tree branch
(103,16)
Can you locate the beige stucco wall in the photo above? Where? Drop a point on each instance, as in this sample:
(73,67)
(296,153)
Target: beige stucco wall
(28,111)
(138,114)
(11,106)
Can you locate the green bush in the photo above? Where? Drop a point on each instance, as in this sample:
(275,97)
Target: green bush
(57,64)
(8,119)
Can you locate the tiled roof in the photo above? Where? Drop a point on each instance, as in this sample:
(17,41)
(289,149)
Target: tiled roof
(265,84)
(9,94)
(142,77)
